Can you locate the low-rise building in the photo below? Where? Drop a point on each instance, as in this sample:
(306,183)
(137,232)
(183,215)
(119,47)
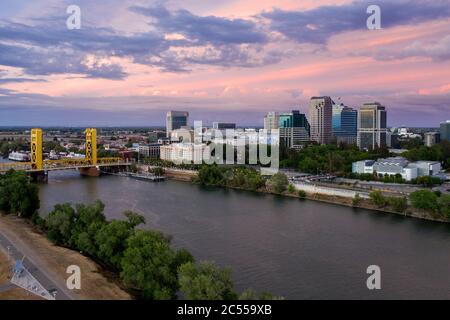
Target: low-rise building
(184,152)
(150,150)
(398,166)
(364,166)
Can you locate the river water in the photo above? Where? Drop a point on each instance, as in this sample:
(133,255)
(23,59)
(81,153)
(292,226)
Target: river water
(297,249)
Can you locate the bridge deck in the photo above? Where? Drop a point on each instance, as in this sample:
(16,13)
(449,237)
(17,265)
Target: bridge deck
(63,164)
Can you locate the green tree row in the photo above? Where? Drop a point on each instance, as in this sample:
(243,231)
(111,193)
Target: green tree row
(437,204)
(434,202)
(439,152)
(241,177)
(327,158)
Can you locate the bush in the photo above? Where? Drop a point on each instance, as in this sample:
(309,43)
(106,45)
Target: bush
(424,199)
(357,200)
(378,199)
(302,194)
(278,183)
(443,204)
(291,188)
(398,204)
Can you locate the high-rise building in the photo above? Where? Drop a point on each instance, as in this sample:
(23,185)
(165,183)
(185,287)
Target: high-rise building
(271,121)
(176,120)
(336,117)
(320,117)
(431,138)
(293,127)
(445,130)
(372,126)
(345,124)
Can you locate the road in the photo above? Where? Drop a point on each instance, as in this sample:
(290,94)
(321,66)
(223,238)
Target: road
(17,252)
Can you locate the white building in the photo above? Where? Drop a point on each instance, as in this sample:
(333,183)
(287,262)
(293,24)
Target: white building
(150,150)
(184,152)
(398,165)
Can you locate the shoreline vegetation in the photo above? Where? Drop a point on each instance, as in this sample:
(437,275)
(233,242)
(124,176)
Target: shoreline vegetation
(423,204)
(144,261)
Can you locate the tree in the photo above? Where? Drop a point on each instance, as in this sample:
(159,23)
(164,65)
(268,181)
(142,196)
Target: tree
(134,219)
(150,264)
(278,183)
(206,281)
(211,175)
(18,195)
(88,220)
(424,199)
(60,223)
(111,240)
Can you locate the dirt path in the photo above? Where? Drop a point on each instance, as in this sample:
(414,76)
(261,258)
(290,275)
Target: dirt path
(54,260)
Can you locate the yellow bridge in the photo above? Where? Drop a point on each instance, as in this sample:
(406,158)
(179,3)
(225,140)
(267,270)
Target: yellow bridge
(39,165)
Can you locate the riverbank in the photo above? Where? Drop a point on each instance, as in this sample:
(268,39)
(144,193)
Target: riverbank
(96,283)
(335,196)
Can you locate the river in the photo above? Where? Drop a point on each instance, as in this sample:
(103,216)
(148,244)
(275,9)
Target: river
(297,249)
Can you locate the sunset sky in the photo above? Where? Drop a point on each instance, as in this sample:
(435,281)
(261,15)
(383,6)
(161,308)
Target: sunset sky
(221,60)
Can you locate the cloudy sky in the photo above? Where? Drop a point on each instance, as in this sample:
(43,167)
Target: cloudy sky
(225,60)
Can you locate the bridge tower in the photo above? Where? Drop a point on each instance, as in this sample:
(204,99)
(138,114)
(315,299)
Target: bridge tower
(91,146)
(36,150)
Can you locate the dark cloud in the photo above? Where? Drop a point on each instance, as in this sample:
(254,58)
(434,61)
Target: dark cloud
(203,30)
(46,47)
(319,24)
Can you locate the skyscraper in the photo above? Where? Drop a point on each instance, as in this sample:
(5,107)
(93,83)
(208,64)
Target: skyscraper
(372,126)
(345,124)
(320,117)
(445,130)
(293,127)
(176,120)
(271,121)
(336,117)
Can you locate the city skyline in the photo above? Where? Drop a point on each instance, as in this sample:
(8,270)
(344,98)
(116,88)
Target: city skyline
(132,61)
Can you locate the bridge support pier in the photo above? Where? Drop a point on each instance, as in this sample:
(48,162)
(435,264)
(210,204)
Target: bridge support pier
(39,176)
(90,172)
